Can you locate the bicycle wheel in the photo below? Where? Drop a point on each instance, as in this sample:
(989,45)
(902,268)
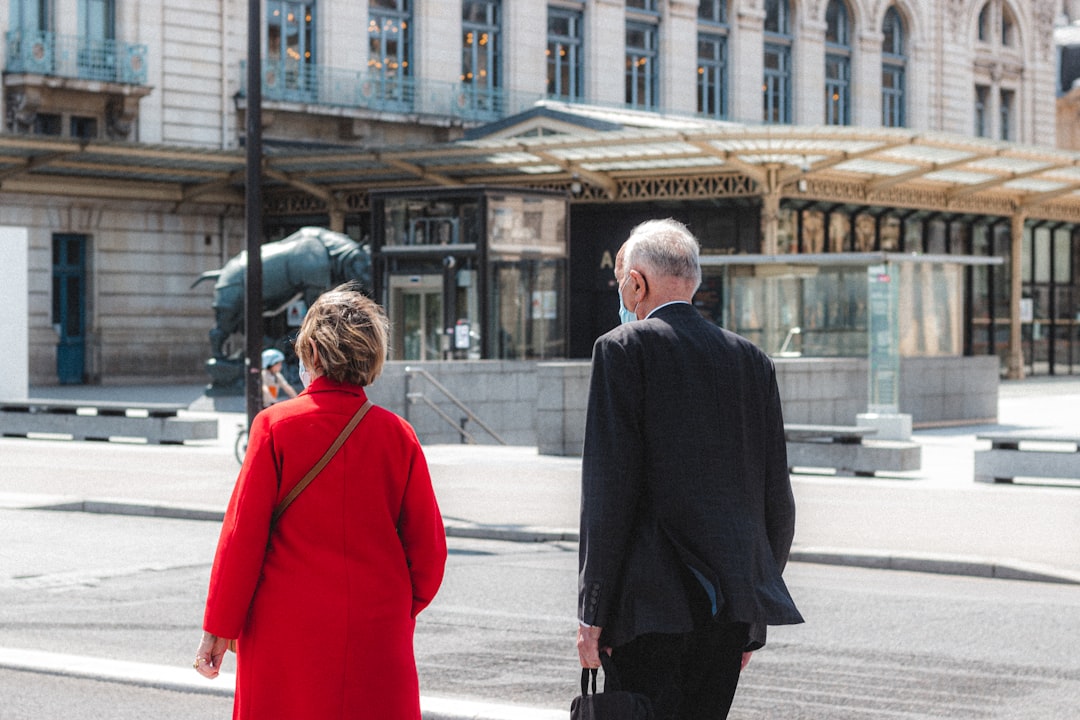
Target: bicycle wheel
(240,448)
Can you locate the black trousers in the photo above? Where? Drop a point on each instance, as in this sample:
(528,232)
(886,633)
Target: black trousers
(690,676)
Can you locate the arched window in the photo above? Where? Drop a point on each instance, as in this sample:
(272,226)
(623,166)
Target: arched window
(984,23)
(837,64)
(998,72)
(1008,27)
(893,71)
(776,85)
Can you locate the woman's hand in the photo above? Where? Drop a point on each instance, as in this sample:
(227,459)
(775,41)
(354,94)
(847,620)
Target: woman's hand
(210,654)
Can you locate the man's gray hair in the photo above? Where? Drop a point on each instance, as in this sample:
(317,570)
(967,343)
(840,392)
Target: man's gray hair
(665,247)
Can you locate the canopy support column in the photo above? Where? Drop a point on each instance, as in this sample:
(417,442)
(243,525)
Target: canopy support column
(770,213)
(1016,286)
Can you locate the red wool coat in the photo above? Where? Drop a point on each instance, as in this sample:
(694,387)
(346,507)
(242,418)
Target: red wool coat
(325,611)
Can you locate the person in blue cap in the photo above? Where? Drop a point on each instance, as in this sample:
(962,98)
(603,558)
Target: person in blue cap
(275,387)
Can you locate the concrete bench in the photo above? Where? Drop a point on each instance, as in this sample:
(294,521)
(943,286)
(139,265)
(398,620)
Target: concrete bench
(1013,455)
(848,449)
(102,421)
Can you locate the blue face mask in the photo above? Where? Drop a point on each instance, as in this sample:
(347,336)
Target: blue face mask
(625,316)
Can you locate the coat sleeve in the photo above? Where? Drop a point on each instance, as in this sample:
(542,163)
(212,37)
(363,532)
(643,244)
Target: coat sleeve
(423,537)
(612,478)
(244,534)
(779,498)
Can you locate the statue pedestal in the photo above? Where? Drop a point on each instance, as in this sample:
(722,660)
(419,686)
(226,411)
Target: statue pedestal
(226,377)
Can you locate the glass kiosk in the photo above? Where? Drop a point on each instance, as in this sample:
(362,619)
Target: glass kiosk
(472,273)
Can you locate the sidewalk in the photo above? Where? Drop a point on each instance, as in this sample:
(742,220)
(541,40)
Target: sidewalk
(933,520)
(936,519)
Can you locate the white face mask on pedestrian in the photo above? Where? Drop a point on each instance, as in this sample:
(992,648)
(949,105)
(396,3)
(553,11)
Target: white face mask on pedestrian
(305,376)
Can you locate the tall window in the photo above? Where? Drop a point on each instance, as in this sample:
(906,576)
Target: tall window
(998,71)
(97,30)
(97,20)
(982,98)
(565,60)
(776,87)
(290,47)
(390,38)
(30,16)
(893,71)
(642,65)
(837,64)
(1005,108)
(713,11)
(712,58)
(389,49)
(481,23)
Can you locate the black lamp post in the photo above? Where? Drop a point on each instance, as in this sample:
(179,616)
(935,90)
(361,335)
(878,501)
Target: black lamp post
(253,319)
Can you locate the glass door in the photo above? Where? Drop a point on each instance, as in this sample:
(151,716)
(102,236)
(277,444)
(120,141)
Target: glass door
(290,50)
(97,32)
(416,314)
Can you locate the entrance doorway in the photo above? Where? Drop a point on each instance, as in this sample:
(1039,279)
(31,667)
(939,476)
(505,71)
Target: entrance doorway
(416,312)
(69,307)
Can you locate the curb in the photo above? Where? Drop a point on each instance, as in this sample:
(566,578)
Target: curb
(962,566)
(181,679)
(958,565)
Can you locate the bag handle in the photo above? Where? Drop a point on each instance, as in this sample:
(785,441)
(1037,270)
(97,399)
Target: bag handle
(611,677)
(327,456)
(585,673)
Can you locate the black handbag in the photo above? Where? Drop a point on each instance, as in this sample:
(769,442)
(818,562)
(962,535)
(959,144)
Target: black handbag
(613,703)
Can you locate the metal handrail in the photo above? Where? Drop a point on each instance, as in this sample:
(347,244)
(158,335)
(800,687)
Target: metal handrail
(412,397)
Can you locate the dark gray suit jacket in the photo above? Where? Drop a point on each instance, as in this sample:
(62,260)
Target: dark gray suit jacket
(684,475)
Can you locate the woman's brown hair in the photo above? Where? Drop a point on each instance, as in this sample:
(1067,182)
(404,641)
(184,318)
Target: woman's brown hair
(351,333)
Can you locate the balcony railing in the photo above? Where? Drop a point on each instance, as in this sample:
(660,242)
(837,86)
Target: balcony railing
(334,87)
(72,56)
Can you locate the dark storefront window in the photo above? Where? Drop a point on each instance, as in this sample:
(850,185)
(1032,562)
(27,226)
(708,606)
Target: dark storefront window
(472,274)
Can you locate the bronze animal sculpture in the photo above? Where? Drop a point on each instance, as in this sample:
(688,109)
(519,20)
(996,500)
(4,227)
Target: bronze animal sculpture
(305,264)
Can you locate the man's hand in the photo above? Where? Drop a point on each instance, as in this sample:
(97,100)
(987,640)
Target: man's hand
(745,660)
(588,646)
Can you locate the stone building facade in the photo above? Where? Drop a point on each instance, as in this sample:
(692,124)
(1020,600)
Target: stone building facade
(153,74)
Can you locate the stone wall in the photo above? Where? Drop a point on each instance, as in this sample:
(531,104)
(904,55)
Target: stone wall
(544,403)
(144,322)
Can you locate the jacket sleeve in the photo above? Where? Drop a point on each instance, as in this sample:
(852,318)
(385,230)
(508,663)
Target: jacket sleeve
(612,478)
(244,533)
(779,498)
(422,534)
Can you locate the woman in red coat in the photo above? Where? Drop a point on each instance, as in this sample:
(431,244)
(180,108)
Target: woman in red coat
(324,602)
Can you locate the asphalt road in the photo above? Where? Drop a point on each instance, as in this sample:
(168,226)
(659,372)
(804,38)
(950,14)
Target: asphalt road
(877,644)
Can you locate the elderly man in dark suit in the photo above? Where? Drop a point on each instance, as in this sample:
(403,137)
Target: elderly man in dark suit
(687,513)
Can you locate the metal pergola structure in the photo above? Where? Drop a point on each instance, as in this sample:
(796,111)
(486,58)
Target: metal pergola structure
(596,156)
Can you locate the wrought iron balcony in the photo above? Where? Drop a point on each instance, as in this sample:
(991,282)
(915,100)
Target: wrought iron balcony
(312,84)
(72,56)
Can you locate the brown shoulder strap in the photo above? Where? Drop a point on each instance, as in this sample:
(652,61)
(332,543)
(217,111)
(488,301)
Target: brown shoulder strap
(331,451)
